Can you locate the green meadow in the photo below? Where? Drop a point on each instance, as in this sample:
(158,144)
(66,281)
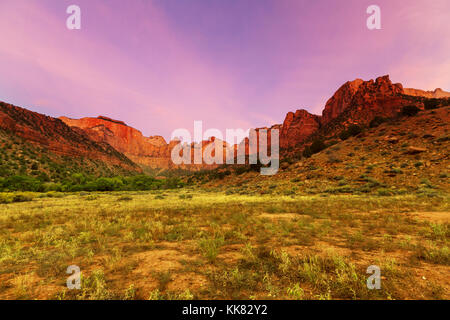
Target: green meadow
(194,243)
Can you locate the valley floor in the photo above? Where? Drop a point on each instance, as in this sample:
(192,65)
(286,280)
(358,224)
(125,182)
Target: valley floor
(194,244)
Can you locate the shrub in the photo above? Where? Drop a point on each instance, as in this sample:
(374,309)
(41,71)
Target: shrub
(125,198)
(431,104)
(241,170)
(354,129)
(333,159)
(210,247)
(351,131)
(384,192)
(317,146)
(21,183)
(409,111)
(9,198)
(307,152)
(377,121)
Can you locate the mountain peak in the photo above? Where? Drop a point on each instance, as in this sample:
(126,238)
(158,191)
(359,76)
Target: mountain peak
(111,120)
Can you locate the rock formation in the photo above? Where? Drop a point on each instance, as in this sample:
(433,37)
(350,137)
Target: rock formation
(152,151)
(355,102)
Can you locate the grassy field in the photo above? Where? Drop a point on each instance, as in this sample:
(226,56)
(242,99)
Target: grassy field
(195,244)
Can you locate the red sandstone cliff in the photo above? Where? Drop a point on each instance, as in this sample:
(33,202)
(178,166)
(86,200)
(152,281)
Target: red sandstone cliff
(355,102)
(297,127)
(340,100)
(149,151)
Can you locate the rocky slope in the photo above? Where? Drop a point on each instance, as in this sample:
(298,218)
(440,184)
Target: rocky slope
(401,155)
(356,102)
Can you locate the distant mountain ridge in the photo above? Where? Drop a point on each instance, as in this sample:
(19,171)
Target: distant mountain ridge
(114,142)
(437,93)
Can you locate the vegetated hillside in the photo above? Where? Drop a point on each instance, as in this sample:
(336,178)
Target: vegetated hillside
(35,144)
(21,157)
(408,153)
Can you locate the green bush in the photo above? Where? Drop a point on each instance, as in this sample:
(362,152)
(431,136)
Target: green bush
(21,183)
(10,198)
(79,182)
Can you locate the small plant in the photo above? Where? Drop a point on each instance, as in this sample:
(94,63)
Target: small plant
(163,280)
(130,293)
(418,164)
(94,287)
(210,247)
(296,292)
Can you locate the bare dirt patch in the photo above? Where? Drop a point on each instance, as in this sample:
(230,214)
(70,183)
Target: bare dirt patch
(440,217)
(189,280)
(162,260)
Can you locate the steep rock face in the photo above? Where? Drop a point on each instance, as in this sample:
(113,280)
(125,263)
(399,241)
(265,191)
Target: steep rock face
(297,127)
(373,98)
(340,100)
(54,135)
(437,93)
(366,98)
(149,151)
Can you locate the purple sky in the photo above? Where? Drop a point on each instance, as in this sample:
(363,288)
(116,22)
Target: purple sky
(159,65)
